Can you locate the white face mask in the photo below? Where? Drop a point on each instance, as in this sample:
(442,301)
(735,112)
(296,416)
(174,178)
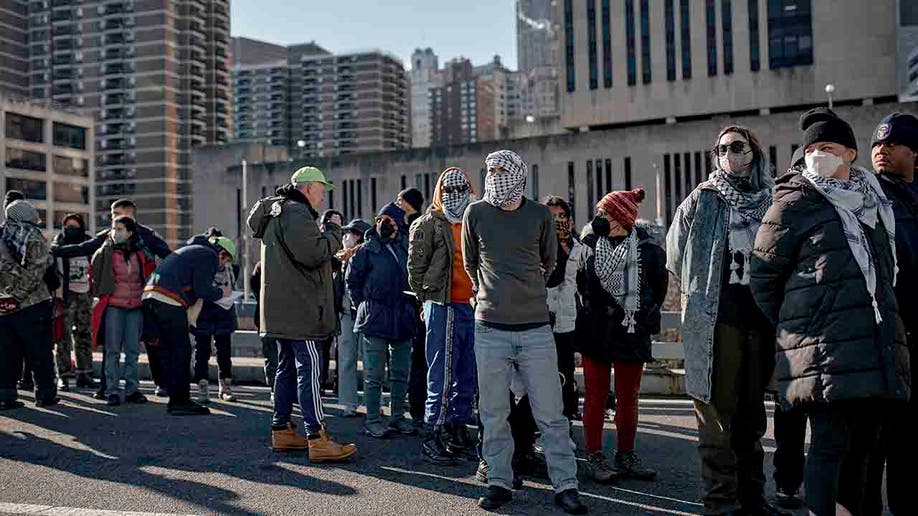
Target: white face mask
(736,163)
(822,163)
(349,240)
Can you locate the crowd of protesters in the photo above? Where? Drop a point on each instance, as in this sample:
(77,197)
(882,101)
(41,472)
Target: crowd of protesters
(475,311)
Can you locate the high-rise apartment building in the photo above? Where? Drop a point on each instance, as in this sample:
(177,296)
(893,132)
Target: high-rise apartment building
(534,34)
(261,84)
(907,49)
(14,48)
(424,75)
(154,74)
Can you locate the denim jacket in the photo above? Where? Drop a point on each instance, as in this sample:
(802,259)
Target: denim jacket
(695,254)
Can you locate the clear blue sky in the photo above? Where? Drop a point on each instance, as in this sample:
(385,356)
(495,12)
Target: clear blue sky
(477,29)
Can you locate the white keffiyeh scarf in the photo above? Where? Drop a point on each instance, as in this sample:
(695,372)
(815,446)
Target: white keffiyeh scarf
(747,209)
(860,200)
(505,188)
(455,203)
(619,271)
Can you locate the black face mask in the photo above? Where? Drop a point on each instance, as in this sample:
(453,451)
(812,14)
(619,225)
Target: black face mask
(600,226)
(72,233)
(386,231)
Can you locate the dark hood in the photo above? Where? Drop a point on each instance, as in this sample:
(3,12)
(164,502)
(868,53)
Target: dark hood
(289,192)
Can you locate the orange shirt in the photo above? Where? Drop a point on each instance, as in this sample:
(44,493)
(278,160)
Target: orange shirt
(461,286)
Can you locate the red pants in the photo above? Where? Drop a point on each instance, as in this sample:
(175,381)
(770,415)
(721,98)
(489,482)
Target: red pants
(627,386)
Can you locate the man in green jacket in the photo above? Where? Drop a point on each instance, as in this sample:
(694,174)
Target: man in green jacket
(298,306)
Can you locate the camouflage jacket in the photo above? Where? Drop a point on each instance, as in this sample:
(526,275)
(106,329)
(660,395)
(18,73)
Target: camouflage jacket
(26,284)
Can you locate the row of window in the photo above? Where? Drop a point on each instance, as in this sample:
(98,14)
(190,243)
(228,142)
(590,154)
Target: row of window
(38,190)
(35,161)
(790,41)
(30,129)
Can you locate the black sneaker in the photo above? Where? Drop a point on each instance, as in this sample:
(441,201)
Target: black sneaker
(788,499)
(10,405)
(187,408)
(435,452)
(629,466)
(569,502)
(99,394)
(114,400)
(137,398)
(460,443)
(494,498)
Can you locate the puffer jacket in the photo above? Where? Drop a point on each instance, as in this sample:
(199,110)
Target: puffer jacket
(905,207)
(600,332)
(377,281)
(562,299)
(805,278)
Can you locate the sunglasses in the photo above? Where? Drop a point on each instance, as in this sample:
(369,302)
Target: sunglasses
(455,189)
(736,147)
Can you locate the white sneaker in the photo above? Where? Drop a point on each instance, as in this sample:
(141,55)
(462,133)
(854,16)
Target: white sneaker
(203,394)
(226,392)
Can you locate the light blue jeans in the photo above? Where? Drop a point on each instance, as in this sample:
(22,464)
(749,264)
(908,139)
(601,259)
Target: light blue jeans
(533,354)
(122,333)
(348,350)
(374,367)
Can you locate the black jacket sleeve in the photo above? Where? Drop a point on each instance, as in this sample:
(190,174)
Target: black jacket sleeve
(154,242)
(774,256)
(87,248)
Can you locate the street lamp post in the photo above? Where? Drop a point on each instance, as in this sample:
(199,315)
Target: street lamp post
(830,89)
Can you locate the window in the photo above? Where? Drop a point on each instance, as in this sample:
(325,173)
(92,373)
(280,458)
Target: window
(589,181)
(667,187)
(534,183)
(645,42)
(427,185)
(670,41)
(609,175)
(23,127)
(629,40)
(404,182)
(26,160)
(686,33)
(359,198)
(908,14)
(484,174)
(571,185)
(726,23)
(773,160)
(70,166)
(677,176)
(698,169)
(600,192)
(790,33)
(33,190)
(606,45)
(711,24)
(69,136)
(628,173)
(687,162)
(591,43)
(754,63)
(72,193)
(569,43)
(373,194)
(331,196)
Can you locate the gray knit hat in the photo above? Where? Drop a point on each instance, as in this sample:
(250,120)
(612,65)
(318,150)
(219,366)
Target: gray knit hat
(21,211)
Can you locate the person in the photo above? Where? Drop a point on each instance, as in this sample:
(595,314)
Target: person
(214,326)
(436,275)
(377,279)
(823,272)
(348,346)
(729,350)
(120,269)
(326,377)
(156,245)
(25,309)
(175,291)
(297,306)
(894,153)
(268,344)
(509,247)
(622,281)
(562,302)
(411,200)
(78,306)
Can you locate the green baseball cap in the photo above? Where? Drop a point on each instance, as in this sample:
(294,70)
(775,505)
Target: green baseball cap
(226,244)
(310,175)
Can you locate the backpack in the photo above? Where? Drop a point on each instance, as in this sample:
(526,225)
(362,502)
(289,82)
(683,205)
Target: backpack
(261,213)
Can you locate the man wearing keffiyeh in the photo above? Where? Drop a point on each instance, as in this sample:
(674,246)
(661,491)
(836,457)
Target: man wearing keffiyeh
(25,311)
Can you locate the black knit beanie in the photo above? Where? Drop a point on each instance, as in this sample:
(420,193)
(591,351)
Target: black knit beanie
(823,125)
(414,197)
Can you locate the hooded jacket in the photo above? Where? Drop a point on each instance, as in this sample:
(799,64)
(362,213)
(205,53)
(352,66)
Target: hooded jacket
(432,250)
(297,296)
(804,277)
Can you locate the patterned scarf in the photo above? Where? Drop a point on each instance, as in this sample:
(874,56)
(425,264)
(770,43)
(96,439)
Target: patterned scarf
(505,188)
(619,270)
(455,203)
(860,200)
(747,209)
(15,236)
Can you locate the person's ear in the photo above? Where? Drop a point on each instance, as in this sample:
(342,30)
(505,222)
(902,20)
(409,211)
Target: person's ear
(850,155)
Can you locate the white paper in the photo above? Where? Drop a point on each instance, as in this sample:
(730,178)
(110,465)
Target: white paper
(227,303)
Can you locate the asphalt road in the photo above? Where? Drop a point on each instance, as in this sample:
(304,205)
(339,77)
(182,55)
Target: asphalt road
(82,454)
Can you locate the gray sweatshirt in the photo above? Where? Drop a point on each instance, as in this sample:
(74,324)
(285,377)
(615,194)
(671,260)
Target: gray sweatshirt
(508,255)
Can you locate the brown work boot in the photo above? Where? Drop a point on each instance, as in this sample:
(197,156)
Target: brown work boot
(287,439)
(323,449)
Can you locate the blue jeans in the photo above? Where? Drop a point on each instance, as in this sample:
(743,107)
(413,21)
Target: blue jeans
(451,374)
(347,363)
(297,378)
(122,333)
(533,354)
(374,365)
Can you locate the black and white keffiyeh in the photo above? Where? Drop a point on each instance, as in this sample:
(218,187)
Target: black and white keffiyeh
(618,268)
(455,203)
(16,236)
(506,188)
(860,200)
(747,209)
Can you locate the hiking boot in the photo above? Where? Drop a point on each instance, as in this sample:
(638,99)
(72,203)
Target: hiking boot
(187,408)
(459,442)
(63,385)
(286,439)
(323,449)
(600,469)
(494,498)
(788,499)
(435,452)
(569,502)
(113,400)
(226,393)
(375,429)
(481,475)
(203,396)
(137,398)
(629,466)
(402,426)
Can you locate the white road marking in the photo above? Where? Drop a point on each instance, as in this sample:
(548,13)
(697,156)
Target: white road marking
(47,510)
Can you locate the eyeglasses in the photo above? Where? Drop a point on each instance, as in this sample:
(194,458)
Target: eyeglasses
(455,189)
(736,147)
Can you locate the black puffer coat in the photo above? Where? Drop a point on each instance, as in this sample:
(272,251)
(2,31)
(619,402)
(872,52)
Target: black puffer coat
(806,280)
(600,333)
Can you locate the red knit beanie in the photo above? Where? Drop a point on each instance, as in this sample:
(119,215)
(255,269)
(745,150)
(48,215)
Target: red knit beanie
(622,206)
